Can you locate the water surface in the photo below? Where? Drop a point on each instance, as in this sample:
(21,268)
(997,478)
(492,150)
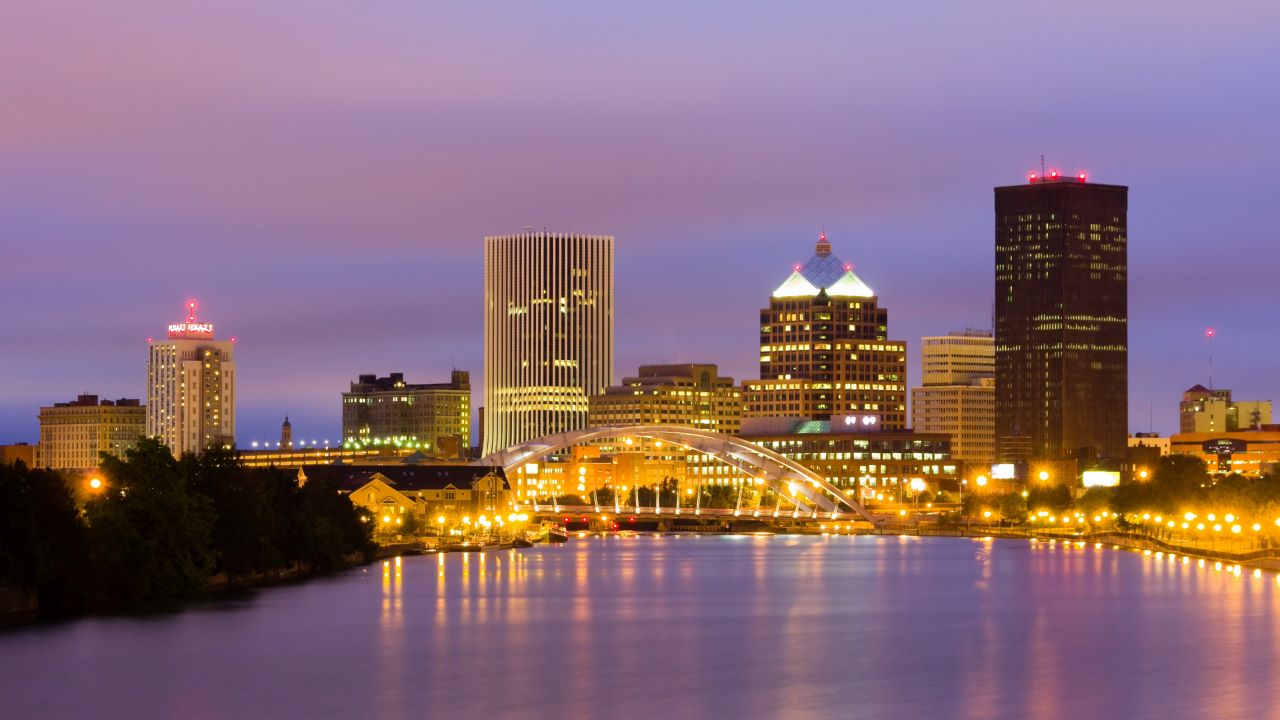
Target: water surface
(689,627)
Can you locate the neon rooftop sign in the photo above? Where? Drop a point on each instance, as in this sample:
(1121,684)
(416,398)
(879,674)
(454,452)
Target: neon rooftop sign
(191,329)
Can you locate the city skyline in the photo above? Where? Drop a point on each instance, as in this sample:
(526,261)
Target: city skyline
(770,143)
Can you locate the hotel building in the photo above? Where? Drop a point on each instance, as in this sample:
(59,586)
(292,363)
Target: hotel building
(548,333)
(191,387)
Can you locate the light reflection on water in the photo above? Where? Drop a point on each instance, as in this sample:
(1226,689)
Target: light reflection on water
(682,626)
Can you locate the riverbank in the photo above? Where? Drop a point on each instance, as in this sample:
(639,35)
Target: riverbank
(1264,559)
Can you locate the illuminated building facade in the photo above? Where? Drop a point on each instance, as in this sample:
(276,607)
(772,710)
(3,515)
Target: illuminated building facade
(1206,411)
(191,387)
(391,495)
(548,333)
(958,396)
(73,435)
(1061,318)
(427,417)
(876,466)
(682,394)
(824,349)
(1251,453)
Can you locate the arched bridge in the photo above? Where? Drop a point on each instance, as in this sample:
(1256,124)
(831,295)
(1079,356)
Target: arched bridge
(791,480)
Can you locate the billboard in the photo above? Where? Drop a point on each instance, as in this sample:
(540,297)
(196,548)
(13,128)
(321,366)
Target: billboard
(1100,478)
(1004,471)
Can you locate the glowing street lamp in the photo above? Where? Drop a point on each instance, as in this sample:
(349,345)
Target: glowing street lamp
(981,481)
(1044,476)
(95,483)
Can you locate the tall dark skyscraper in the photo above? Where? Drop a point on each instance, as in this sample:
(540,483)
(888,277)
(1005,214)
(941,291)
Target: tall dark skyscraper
(1061,318)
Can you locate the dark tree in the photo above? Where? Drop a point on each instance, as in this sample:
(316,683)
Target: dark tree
(150,532)
(43,544)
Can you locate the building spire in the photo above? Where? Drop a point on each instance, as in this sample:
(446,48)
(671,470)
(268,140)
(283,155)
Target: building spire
(823,248)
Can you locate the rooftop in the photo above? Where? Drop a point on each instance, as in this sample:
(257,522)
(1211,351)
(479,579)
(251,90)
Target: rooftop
(403,478)
(823,272)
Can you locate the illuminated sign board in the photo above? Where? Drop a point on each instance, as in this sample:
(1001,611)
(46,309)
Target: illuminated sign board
(855,423)
(1224,446)
(1004,471)
(1100,478)
(191,330)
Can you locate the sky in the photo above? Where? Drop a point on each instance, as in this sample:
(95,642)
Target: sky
(321,175)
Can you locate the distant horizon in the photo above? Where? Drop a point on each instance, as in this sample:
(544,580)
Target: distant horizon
(325,188)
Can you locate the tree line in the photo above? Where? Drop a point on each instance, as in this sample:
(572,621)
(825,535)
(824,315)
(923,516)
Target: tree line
(159,528)
(1178,484)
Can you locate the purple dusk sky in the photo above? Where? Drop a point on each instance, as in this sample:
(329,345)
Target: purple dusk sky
(321,175)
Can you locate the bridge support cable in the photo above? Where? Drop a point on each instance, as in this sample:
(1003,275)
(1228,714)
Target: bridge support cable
(785,476)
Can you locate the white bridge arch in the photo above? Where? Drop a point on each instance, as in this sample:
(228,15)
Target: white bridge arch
(791,480)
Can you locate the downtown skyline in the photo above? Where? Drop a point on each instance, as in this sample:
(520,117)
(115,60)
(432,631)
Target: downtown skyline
(335,224)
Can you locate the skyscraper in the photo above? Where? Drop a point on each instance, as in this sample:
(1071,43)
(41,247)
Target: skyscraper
(548,333)
(1061,318)
(191,387)
(957,396)
(824,350)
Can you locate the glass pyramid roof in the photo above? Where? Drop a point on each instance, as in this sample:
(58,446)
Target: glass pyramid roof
(823,271)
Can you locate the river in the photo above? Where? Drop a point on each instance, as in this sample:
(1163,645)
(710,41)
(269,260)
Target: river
(689,627)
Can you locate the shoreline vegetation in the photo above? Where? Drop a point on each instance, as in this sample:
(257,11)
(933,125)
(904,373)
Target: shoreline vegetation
(158,531)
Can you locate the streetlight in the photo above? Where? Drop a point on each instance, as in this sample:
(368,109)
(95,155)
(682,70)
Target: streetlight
(95,483)
(1044,476)
(982,481)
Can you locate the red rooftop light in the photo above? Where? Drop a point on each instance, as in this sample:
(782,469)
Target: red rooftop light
(1053,173)
(797,267)
(1031,177)
(848,267)
(1082,177)
(1209,333)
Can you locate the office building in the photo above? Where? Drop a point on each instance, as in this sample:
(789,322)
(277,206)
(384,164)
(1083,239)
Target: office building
(958,395)
(548,333)
(873,466)
(191,387)
(1209,411)
(74,435)
(825,349)
(1248,452)
(695,395)
(1061,318)
(427,417)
